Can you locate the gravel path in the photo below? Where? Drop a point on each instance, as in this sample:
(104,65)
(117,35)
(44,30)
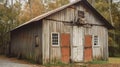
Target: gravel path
(13,62)
(8,63)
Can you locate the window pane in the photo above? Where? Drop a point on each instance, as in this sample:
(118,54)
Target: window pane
(54,38)
(95,40)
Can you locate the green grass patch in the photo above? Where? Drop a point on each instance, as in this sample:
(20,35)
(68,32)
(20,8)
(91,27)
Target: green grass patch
(98,62)
(58,64)
(55,64)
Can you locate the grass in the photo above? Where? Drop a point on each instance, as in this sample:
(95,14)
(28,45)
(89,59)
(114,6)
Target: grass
(55,64)
(59,64)
(98,62)
(114,60)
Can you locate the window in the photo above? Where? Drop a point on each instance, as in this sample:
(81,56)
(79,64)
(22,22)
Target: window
(81,17)
(81,14)
(36,41)
(55,39)
(96,40)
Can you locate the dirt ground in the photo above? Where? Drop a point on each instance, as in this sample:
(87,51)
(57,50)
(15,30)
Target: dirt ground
(13,62)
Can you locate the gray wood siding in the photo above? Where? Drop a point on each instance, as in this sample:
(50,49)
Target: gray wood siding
(99,52)
(90,17)
(23,42)
(68,14)
(52,53)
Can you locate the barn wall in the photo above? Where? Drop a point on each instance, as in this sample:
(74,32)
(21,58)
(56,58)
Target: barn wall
(23,42)
(68,14)
(54,52)
(99,52)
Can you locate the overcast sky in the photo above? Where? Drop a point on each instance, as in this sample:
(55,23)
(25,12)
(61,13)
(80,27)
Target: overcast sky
(116,0)
(72,0)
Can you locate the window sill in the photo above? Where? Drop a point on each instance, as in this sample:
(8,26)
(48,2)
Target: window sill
(55,46)
(96,46)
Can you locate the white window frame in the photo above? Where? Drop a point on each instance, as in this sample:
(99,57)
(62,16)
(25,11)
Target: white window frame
(58,39)
(94,41)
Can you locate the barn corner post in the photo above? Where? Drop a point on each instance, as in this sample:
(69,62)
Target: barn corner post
(106,52)
(107,57)
(9,45)
(45,42)
(107,46)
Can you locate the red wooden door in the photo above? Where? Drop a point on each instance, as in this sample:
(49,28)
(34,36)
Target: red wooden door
(88,48)
(65,47)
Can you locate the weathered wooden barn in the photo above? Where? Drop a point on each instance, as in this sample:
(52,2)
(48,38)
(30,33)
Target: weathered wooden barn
(75,32)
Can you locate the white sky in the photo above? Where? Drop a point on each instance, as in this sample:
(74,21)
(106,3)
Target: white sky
(116,0)
(72,0)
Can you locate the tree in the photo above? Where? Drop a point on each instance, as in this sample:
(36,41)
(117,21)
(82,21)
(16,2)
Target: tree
(8,20)
(31,9)
(56,4)
(116,33)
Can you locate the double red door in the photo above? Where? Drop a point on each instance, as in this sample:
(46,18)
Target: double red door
(65,48)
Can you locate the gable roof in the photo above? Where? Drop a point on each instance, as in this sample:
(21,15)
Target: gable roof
(108,25)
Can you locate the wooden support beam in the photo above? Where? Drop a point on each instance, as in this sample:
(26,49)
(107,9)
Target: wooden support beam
(59,20)
(71,22)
